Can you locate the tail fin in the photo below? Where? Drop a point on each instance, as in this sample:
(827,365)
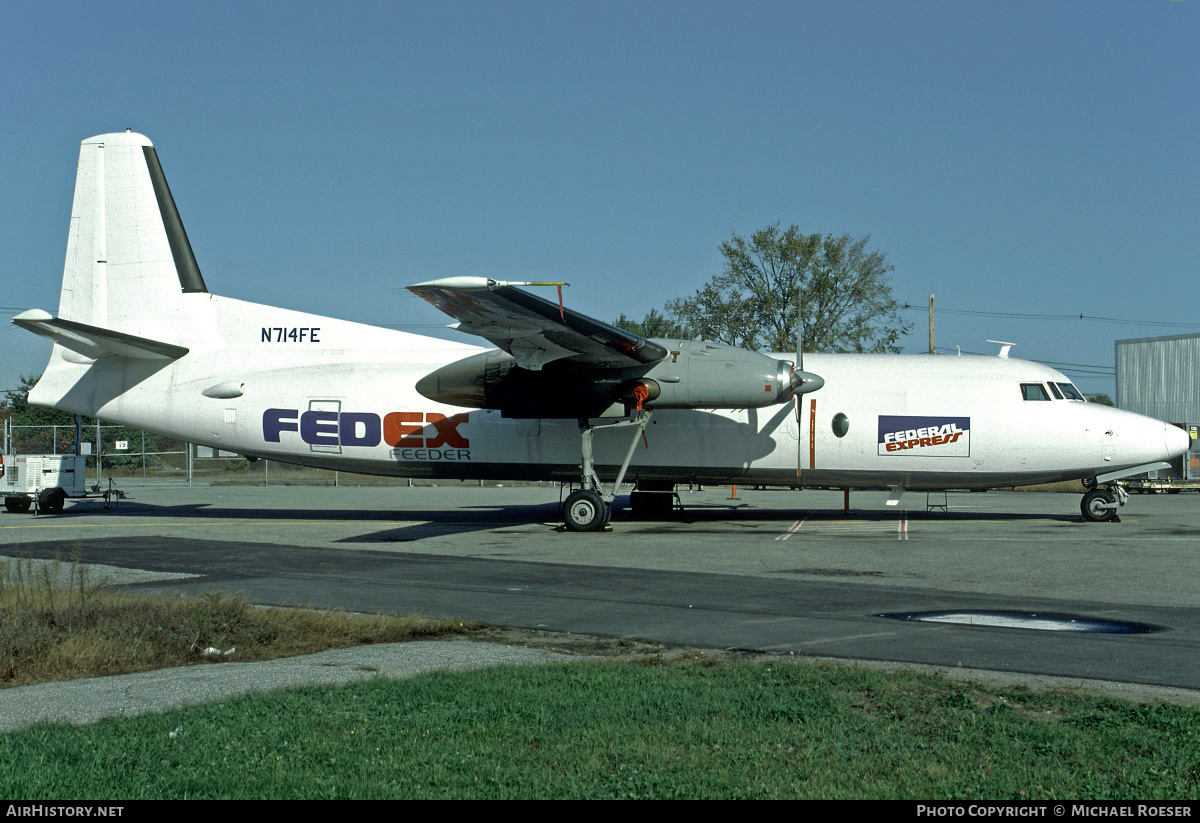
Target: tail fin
(128,256)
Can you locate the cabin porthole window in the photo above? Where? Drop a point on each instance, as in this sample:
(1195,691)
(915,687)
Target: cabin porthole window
(841,424)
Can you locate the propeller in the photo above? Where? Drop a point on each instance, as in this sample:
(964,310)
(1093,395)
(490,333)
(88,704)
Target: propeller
(802,382)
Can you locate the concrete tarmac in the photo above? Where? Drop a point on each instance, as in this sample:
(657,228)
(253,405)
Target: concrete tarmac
(776,571)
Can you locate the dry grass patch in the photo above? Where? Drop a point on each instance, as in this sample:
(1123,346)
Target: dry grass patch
(56,625)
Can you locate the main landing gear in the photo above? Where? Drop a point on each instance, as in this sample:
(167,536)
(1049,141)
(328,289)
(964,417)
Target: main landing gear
(589,508)
(1100,503)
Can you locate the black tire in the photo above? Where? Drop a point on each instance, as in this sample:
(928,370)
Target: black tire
(585,511)
(1091,506)
(52,500)
(17,505)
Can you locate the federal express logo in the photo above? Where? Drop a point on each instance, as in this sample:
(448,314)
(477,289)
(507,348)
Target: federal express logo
(412,435)
(926,436)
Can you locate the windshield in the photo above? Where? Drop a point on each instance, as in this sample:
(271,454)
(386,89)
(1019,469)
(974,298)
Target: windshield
(1034,391)
(1070,392)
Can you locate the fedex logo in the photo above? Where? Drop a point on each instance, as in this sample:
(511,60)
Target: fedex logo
(930,436)
(404,431)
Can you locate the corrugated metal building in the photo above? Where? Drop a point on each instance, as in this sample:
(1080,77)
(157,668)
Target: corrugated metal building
(1160,377)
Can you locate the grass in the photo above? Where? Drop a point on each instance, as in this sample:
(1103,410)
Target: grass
(678,725)
(626,730)
(56,624)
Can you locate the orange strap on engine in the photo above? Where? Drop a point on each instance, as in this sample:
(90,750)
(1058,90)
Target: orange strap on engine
(640,393)
(560,306)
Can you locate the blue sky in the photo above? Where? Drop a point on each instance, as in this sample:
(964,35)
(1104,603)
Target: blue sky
(1034,158)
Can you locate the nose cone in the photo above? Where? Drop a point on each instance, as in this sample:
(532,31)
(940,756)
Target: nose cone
(1177,440)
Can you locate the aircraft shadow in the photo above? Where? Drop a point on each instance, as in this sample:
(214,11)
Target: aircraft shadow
(706,518)
(431,523)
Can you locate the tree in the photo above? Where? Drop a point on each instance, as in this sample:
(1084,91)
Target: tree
(654,325)
(34,431)
(33,426)
(23,414)
(1101,398)
(848,302)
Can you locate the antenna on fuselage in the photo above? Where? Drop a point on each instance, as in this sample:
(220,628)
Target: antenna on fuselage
(1004,347)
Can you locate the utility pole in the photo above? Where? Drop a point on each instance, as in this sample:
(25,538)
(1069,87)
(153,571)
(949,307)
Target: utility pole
(931,324)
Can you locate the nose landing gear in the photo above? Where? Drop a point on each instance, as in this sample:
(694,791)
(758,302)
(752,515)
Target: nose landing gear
(1100,503)
(1104,496)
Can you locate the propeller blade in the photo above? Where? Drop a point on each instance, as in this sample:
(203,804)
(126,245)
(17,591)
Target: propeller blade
(802,382)
(799,328)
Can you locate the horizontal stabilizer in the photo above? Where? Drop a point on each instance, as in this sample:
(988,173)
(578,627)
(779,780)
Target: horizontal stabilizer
(95,342)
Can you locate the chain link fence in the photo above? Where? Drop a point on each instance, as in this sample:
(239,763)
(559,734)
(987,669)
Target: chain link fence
(133,456)
(118,452)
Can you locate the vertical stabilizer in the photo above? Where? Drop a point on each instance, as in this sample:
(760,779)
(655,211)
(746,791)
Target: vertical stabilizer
(129,263)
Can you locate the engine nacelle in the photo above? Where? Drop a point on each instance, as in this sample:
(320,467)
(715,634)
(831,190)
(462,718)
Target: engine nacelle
(699,375)
(694,375)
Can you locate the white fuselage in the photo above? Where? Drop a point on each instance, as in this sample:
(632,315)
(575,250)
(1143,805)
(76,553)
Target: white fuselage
(272,383)
(139,340)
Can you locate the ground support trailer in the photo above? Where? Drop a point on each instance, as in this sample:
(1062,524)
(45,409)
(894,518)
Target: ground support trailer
(41,481)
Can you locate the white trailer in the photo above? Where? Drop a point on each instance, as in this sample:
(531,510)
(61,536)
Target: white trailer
(45,479)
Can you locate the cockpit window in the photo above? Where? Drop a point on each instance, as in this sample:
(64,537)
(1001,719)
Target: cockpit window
(1034,391)
(1054,391)
(1070,391)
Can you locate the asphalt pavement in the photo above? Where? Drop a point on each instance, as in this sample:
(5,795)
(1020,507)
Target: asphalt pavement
(756,571)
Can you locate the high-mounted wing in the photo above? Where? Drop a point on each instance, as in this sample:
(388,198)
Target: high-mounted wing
(534,330)
(557,363)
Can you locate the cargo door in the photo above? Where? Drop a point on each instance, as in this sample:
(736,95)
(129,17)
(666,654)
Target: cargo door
(324,437)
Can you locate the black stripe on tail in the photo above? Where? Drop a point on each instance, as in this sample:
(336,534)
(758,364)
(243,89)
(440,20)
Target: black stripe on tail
(190,279)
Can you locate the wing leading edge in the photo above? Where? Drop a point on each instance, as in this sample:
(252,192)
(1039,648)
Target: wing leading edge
(535,331)
(559,363)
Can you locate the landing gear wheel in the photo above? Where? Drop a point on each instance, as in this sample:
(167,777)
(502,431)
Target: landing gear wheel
(16,505)
(585,511)
(1093,506)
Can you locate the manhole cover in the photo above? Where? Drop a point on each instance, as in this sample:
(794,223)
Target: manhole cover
(1037,621)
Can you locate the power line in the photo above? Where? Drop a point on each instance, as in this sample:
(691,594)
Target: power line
(1074,368)
(1027,316)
